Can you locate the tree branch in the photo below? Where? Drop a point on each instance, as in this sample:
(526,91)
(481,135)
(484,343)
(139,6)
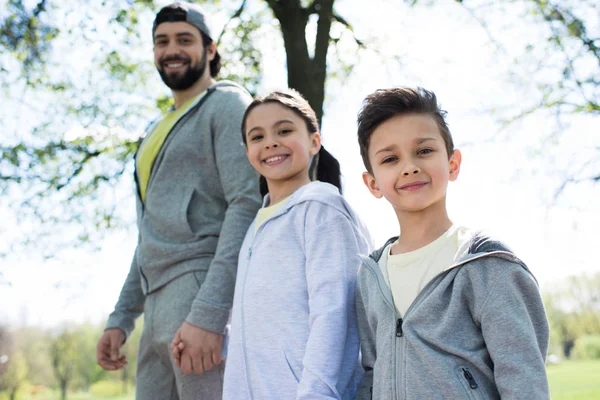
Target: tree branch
(342,21)
(78,170)
(41,6)
(14,178)
(237,14)
(574,25)
(484,26)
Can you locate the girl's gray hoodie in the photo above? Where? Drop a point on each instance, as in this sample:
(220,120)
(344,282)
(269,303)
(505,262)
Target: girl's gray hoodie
(293,329)
(476,331)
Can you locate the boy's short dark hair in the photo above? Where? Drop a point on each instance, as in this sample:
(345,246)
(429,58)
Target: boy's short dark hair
(384,104)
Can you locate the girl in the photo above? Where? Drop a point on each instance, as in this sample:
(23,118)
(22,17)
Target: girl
(293,330)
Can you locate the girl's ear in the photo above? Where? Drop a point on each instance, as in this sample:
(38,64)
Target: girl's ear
(455,160)
(315,143)
(371,184)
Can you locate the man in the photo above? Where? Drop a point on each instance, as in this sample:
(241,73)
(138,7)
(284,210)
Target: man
(196,196)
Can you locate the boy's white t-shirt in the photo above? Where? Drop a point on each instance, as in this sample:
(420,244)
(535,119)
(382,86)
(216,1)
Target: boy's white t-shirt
(408,273)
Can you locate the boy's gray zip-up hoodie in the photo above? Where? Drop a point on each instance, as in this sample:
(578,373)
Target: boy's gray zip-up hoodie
(476,331)
(200,199)
(293,329)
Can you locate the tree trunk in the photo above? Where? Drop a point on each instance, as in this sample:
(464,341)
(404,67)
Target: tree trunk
(305,74)
(63,389)
(124,378)
(319,62)
(567,347)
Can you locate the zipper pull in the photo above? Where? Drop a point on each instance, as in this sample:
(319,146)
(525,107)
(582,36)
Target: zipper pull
(399,332)
(470,379)
(249,252)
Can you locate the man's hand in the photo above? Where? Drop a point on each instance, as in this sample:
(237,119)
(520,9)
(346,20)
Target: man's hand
(108,350)
(201,348)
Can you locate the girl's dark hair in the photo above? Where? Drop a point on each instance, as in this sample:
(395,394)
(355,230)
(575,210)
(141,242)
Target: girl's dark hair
(327,167)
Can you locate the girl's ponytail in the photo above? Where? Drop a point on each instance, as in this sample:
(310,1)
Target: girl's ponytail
(328,169)
(262,185)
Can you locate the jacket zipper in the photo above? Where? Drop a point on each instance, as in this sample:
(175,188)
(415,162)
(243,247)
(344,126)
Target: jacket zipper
(158,157)
(160,154)
(469,377)
(399,332)
(243,328)
(398,365)
(399,322)
(386,293)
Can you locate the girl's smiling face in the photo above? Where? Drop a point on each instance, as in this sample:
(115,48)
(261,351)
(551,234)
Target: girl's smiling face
(279,146)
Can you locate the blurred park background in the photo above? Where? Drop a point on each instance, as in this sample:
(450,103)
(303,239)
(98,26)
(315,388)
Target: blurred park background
(520,80)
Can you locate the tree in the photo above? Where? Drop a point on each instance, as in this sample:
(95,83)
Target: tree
(87,369)
(576,90)
(50,170)
(6,353)
(573,309)
(559,63)
(34,344)
(6,348)
(13,368)
(63,352)
(44,358)
(131,348)
(15,375)
(73,170)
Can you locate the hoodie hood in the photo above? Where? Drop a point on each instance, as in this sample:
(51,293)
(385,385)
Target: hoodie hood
(324,193)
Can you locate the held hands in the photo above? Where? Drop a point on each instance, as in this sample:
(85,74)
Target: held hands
(108,350)
(195,349)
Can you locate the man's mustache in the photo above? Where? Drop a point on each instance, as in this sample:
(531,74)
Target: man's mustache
(174,58)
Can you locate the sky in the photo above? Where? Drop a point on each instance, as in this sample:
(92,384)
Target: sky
(506,184)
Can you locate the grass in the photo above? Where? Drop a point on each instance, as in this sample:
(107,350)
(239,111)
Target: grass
(575,380)
(130,396)
(569,380)
(50,394)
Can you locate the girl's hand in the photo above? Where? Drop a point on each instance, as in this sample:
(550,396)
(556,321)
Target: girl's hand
(202,349)
(176,349)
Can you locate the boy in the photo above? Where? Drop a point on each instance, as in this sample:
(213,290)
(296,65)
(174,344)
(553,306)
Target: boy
(443,312)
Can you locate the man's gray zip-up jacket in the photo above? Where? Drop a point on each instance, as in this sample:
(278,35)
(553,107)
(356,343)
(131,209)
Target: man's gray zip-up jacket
(201,197)
(476,331)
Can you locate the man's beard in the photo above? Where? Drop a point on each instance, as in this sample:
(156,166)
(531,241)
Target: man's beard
(177,81)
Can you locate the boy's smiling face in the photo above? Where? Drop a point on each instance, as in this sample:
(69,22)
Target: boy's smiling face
(410,165)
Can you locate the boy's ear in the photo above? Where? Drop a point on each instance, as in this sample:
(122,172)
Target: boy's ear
(371,184)
(455,160)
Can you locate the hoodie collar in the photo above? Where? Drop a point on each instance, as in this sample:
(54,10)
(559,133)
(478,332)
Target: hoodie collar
(480,244)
